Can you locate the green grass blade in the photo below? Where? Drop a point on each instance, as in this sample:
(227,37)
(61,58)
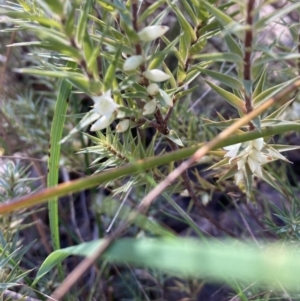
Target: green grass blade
(230,260)
(54,153)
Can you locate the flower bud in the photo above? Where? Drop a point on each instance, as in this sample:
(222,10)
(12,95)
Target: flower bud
(153,32)
(152,89)
(132,62)
(102,123)
(149,107)
(166,98)
(122,126)
(156,75)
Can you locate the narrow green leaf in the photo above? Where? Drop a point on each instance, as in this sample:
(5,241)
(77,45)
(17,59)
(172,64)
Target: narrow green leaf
(276,114)
(150,10)
(198,46)
(202,13)
(172,79)
(223,78)
(25,5)
(69,23)
(173,136)
(229,97)
(223,18)
(281,56)
(276,265)
(175,51)
(185,25)
(107,6)
(275,16)
(284,148)
(185,92)
(218,57)
(27,16)
(233,46)
(83,21)
(54,153)
(158,57)
(270,180)
(189,10)
(260,84)
(55,6)
(228,174)
(265,95)
(78,80)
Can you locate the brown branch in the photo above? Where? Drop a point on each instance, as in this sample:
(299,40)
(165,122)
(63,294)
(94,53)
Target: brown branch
(247,59)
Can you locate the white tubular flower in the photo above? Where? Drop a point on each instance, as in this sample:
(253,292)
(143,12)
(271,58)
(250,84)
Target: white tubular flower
(106,108)
(232,151)
(101,124)
(153,32)
(132,62)
(156,75)
(122,126)
(150,107)
(105,105)
(254,153)
(166,98)
(152,89)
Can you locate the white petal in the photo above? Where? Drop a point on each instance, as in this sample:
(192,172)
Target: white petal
(156,75)
(132,62)
(101,123)
(241,163)
(238,177)
(151,33)
(258,143)
(152,89)
(105,105)
(166,98)
(229,147)
(232,150)
(150,107)
(248,149)
(256,155)
(258,171)
(252,164)
(122,126)
(98,98)
(265,159)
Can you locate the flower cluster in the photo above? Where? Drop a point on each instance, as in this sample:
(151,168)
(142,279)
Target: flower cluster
(253,154)
(107,110)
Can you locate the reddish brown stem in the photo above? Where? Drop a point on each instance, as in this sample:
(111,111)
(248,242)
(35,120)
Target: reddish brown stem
(247,58)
